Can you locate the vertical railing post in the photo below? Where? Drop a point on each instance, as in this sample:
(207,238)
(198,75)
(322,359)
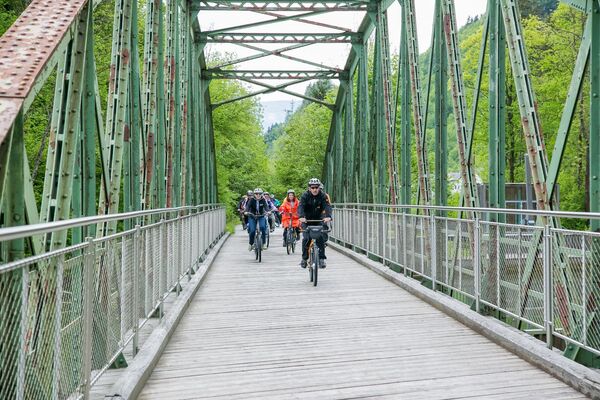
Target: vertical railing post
(137,237)
(368,231)
(163,285)
(89,264)
(433,250)
(382,228)
(477,262)
(548,306)
(56,364)
(404,249)
(177,235)
(20,395)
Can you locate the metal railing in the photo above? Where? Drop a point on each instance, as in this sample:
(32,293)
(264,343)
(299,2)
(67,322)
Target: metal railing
(67,315)
(543,277)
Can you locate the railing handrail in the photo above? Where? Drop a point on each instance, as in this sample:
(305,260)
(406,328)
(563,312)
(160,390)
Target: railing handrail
(23,231)
(564,214)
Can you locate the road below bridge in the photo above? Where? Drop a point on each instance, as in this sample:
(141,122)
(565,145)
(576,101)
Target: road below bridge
(261,331)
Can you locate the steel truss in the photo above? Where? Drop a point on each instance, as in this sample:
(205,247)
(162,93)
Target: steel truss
(151,140)
(155,144)
(364,178)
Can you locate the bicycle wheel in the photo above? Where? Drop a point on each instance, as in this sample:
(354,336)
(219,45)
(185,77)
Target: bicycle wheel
(258,242)
(288,241)
(316,265)
(310,262)
(268,237)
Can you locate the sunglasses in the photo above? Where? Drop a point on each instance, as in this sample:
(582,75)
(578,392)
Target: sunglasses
(314,187)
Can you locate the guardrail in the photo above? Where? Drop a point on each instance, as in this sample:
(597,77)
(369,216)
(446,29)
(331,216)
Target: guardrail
(545,278)
(67,315)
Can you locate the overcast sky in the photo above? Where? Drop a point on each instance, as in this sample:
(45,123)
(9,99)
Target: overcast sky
(334,55)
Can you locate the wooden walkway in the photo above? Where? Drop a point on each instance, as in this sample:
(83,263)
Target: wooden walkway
(261,331)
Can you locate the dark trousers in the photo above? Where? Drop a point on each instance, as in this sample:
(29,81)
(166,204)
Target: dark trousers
(305,242)
(297,230)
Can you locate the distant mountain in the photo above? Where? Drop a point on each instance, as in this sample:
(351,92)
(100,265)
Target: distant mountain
(277,111)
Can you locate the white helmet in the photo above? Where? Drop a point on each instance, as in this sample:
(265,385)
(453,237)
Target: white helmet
(314,182)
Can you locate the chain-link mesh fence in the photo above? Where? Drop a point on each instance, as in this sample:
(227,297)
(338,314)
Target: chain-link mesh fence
(545,277)
(66,315)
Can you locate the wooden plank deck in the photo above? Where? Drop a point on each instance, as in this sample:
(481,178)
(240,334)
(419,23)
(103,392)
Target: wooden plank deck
(261,331)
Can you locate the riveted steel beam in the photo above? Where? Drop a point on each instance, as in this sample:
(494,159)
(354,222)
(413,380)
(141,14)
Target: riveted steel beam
(237,37)
(252,94)
(304,97)
(266,74)
(335,5)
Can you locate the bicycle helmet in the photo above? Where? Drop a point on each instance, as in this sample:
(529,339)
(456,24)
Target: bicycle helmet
(249,193)
(314,181)
(266,194)
(291,191)
(258,191)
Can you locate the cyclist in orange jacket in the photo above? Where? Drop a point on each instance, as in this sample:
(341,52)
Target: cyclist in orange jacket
(289,210)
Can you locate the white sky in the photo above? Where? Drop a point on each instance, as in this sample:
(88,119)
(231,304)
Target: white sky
(333,55)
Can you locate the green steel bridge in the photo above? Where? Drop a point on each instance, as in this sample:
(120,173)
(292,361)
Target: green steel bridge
(96,274)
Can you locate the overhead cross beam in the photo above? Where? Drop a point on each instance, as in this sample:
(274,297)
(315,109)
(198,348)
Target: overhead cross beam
(264,91)
(334,5)
(292,58)
(259,74)
(304,97)
(238,37)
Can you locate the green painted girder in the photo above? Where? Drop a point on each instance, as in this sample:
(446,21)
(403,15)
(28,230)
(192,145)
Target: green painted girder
(60,165)
(263,53)
(274,88)
(349,169)
(270,74)
(116,108)
(172,119)
(278,53)
(439,56)
(186,133)
(239,37)
(581,5)
(497,110)
(305,21)
(150,99)
(264,91)
(417,103)
(459,101)
(575,89)
(538,164)
(278,19)
(403,93)
(335,5)
(594,146)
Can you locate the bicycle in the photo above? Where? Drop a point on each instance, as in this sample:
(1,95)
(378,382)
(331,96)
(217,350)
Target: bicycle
(314,262)
(290,236)
(257,236)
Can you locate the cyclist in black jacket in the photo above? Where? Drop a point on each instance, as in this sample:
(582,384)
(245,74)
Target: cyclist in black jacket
(257,206)
(313,206)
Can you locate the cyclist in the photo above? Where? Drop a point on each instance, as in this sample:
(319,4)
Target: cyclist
(257,206)
(322,188)
(313,206)
(242,206)
(272,209)
(290,205)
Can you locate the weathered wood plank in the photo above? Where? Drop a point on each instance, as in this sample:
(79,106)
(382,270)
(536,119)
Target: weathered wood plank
(261,331)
